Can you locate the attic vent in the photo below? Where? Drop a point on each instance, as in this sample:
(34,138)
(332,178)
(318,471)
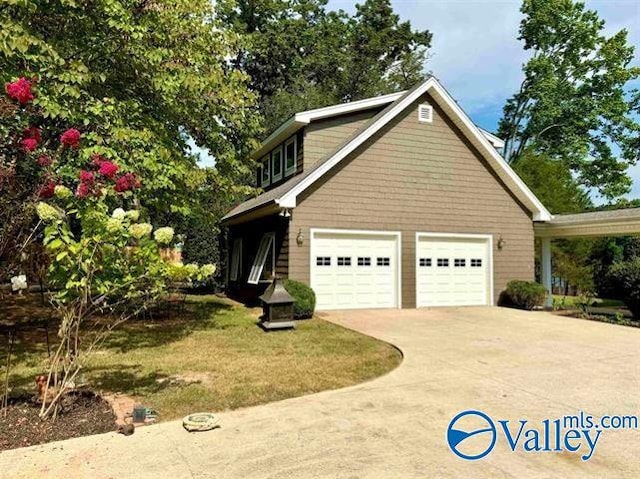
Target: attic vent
(425,114)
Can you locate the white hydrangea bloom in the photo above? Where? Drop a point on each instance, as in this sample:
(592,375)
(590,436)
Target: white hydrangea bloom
(140,230)
(133,215)
(62,192)
(118,213)
(18,283)
(46,212)
(163,235)
(114,225)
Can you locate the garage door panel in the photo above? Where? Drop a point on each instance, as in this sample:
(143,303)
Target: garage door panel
(452,271)
(363,272)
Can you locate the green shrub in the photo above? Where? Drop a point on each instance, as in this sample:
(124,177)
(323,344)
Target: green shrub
(305,298)
(526,294)
(625,276)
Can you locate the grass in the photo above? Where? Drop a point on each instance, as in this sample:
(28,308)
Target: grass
(571,302)
(215,358)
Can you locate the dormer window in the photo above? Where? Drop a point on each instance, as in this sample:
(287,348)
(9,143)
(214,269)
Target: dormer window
(276,164)
(290,156)
(425,113)
(265,171)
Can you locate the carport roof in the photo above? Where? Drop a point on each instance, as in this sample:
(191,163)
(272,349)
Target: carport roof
(619,222)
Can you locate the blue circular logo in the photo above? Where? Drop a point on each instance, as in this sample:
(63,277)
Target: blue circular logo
(471,435)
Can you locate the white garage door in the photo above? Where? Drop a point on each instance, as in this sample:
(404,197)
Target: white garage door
(352,270)
(453,270)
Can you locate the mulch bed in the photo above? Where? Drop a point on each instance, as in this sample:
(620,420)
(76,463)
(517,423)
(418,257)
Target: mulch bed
(83,414)
(602,318)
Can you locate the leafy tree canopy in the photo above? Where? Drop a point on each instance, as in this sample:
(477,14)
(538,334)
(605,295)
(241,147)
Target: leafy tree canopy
(552,183)
(138,78)
(301,56)
(574,105)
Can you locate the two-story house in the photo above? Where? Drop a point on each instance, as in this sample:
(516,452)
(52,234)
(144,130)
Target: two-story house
(394,201)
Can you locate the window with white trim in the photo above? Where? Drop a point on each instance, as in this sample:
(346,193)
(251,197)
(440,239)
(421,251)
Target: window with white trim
(266,251)
(425,113)
(276,164)
(443,262)
(290,156)
(344,261)
(425,262)
(459,262)
(265,171)
(236,260)
(476,263)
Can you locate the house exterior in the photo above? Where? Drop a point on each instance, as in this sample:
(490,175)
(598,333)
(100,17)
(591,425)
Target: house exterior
(397,201)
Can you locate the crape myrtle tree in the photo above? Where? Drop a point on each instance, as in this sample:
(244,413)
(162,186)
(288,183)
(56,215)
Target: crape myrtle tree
(104,261)
(301,56)
(140,79)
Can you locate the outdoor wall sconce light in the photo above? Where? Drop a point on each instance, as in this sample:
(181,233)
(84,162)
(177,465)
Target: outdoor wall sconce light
(285,213)
(501,242)
(300,238)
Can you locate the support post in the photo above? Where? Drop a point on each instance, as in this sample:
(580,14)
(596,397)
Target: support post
(545,270)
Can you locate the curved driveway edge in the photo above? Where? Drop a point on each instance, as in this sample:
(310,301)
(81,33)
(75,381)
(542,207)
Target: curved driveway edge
(508,363)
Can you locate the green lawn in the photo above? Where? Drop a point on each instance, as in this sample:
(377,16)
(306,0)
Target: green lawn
(214,358)
(570,302)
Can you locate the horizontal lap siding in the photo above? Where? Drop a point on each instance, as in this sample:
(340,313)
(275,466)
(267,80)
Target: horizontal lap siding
(323,136)
(413,177)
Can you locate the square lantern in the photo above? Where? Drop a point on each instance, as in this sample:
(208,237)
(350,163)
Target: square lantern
(277,305)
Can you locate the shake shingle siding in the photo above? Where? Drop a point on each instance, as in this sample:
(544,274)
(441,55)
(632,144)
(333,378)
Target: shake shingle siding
(321,137)
(411,177)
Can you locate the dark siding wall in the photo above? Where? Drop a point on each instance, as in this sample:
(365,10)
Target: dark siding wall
(251,234)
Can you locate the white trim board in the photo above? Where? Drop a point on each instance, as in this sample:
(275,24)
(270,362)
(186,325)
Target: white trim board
(479,140)
(486,237)
(396,234)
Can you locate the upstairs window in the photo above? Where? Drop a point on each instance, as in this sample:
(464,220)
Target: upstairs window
(276,164)
(425,113)
(290,156)
(265,172)
(266,251)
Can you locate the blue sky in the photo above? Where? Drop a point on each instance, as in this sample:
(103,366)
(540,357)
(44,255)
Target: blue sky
(475,52)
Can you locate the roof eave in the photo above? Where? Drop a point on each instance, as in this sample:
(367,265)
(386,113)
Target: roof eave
(259,211)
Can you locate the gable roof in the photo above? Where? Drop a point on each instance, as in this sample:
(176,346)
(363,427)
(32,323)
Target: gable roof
(285,195)
(303,118)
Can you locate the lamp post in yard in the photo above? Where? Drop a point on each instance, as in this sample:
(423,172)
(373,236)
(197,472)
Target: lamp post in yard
(277,305)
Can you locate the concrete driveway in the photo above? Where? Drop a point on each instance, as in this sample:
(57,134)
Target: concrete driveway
(509,364)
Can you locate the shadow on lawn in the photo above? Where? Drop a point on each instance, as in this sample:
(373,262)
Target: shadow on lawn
(30,351)
(128,379)
(145,333)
